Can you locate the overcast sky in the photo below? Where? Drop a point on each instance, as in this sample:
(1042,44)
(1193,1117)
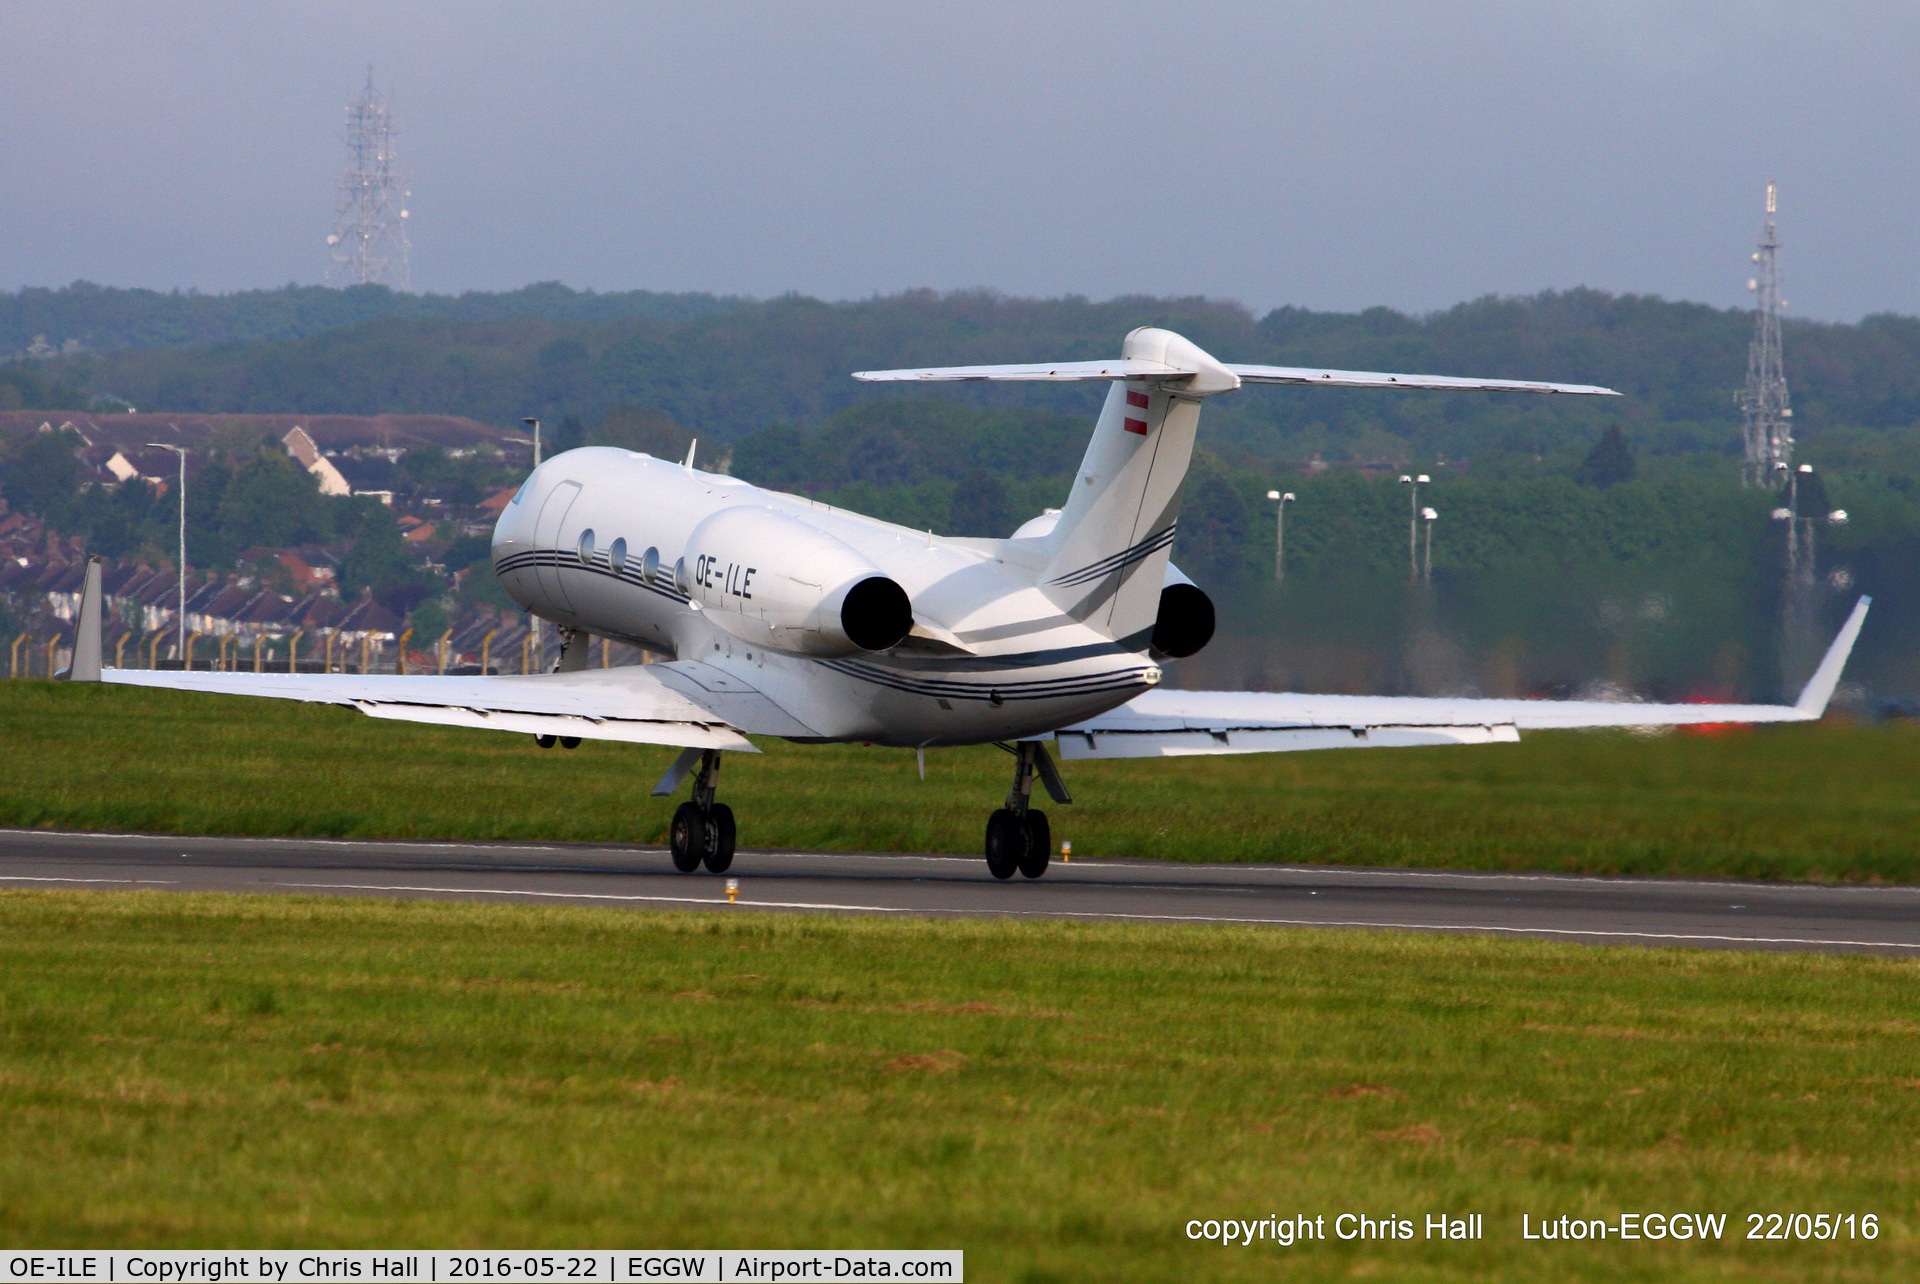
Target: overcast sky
(1332,156)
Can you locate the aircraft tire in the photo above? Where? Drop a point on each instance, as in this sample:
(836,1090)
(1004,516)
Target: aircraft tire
(1039,844)
(719,853)
(687,837)
(1006,843)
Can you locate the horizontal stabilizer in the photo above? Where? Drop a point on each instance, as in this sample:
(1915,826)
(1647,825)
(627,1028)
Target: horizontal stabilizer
(1058,371)
(1304,378)
(1148,370)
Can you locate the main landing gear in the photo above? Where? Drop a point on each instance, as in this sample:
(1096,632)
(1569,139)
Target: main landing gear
(702,831)
(1018,837)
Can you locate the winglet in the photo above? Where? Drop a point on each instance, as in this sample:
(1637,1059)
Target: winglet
(85,665)
(1819,688)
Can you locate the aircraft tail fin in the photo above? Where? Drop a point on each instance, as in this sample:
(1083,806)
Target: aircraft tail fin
(1108,550)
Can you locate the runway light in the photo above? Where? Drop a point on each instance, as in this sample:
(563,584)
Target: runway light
(733,889)
(1066,852)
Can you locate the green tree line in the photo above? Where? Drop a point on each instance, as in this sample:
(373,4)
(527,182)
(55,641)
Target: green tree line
(727,368)
(103,318)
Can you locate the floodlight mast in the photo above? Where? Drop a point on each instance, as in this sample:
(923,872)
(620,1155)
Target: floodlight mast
(369,240)
(1280,533)
(1413,521)
(1768,426)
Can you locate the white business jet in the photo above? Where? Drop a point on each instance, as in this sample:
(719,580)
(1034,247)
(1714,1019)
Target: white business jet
(785,617)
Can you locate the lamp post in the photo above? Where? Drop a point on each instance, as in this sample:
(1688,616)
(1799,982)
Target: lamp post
(1800,560)
(535,425)
(1413,521)
(1280,533)
(182,452)
(1427,515)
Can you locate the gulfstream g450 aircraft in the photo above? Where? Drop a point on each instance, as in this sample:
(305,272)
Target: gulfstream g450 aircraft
(783,617)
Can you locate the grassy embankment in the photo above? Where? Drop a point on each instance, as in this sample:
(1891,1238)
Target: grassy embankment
(1827,802)
(1057,1099)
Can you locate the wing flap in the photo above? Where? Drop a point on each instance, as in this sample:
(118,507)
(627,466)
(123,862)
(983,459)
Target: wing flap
(743,706)
(684,734)
(1090,741)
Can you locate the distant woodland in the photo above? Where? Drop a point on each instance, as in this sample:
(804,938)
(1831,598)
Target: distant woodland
(1580,542)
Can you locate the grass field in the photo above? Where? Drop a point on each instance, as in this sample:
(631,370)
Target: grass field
(1823,802)
(1056,1099)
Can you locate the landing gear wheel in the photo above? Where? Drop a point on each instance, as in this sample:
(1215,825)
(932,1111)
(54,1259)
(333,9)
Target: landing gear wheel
(1039,844)
(1006,843)
(687,837)
(719,852)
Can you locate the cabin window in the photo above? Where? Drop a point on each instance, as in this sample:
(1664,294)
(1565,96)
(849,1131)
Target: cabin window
(650,566)
(617,554)
(586,547)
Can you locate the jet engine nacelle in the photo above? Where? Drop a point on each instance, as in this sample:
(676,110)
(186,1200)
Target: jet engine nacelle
(777,582)
(1185,621)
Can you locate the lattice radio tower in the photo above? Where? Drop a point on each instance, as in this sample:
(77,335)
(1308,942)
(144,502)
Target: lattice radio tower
(1763,402)
(369,239)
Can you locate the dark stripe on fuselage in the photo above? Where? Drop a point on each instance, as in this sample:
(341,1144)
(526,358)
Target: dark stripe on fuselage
(1017,660)
(1125,557)
(1058,688)
(602,566)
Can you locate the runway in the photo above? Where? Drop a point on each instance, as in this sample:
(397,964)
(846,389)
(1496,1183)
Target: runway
(1602,911)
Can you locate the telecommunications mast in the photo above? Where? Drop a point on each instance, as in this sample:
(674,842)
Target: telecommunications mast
(1763,402)
(369,240)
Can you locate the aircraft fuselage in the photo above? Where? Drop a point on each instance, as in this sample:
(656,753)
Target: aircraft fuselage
(761,588)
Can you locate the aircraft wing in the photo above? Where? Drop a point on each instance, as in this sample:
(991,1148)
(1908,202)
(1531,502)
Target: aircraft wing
(634,703)
(1177,723)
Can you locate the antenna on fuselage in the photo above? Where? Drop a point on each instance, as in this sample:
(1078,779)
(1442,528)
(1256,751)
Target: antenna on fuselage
(691,447)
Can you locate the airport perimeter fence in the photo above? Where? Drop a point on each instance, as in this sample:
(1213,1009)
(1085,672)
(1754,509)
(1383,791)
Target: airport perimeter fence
(46,654)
